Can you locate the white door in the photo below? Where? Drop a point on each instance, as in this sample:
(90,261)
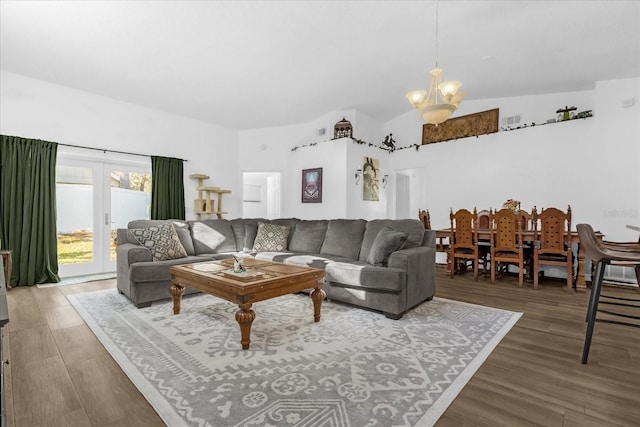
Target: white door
(93,199)
(403,202)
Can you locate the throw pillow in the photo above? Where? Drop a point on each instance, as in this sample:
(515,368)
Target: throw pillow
(271,238)
(162,240)
(386,242)
(250,232)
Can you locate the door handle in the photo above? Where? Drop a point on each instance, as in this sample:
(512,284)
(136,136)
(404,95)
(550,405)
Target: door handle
(106,219)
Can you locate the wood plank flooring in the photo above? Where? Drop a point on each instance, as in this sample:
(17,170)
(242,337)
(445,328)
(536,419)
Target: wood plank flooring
(60,375)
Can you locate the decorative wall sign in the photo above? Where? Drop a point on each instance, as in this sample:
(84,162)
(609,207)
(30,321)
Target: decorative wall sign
(460,127)
(370,179)
(312,185)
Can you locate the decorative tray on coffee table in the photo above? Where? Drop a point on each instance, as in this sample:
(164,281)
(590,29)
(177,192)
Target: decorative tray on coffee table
(245,276)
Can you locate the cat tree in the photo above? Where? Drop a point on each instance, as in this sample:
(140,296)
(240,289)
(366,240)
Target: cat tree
(204,205)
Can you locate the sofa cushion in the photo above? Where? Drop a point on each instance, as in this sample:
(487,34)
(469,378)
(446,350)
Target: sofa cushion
(212,236)
(344,238)
(290,222)
(244,232)
(387,241)
(366,276)
(271,237)
(182,229)
(250,233)
(162,240)
(308,236)
(158,271)
(413,227)
(313,260)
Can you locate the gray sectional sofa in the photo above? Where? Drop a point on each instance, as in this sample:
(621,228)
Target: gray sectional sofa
(351,251)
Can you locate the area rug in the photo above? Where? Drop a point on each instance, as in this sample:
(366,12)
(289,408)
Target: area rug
(353,368)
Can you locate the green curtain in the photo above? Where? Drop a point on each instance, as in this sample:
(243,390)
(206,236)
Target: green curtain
(167,188)
(28,208)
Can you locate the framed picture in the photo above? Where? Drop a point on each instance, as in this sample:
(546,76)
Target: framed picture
(312,185)
(370,179)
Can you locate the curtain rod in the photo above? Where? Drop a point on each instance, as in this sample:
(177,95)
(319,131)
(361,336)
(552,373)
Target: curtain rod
(113,151)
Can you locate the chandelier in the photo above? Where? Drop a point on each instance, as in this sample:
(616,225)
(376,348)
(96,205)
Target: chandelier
(443,98)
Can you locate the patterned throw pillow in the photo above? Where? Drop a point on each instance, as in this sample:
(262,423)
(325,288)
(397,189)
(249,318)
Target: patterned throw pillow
(271,238)
(162,240)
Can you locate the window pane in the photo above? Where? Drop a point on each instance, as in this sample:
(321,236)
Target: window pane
(74,202)
(130,199)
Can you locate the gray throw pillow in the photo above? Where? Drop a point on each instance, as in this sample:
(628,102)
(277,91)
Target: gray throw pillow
(386,242)
(250,233)
(271,238)
(162,240)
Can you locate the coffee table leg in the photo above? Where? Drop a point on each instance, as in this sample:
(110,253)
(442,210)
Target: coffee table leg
(317,295)
(176,292)
(245,317)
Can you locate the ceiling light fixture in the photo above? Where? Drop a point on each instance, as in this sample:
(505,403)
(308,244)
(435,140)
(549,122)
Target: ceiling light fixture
(443,98)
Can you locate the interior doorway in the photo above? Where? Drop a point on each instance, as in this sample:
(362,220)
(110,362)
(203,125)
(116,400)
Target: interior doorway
(261,195)
(410,192)
(403,195)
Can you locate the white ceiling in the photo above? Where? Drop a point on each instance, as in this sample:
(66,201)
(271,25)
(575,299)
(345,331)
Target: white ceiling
(253,64)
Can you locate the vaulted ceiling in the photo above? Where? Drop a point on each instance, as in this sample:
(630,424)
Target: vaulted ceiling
(253,64)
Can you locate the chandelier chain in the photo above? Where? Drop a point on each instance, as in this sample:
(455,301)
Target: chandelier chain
(437,44)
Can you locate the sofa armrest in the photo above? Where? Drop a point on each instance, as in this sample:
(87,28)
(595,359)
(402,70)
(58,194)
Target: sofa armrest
(420,265)
(429,238)
(126,255)
(130,253)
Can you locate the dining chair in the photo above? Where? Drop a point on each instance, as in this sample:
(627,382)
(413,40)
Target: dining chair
(463,241)
(526,220)
(506,243)
(484,245)
(625,247)
(425,218)
(602,255)
(526,223)
(552,242)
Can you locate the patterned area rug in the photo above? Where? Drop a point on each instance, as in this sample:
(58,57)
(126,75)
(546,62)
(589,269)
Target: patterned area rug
(353,368)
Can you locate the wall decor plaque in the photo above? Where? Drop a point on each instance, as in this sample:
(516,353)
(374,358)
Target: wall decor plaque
(474,124)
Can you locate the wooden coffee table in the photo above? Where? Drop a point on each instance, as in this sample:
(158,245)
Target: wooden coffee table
(263,280)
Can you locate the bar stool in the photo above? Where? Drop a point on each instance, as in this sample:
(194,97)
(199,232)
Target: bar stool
(603,255)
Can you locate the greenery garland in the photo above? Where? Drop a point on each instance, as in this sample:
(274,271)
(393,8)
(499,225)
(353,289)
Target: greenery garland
(388,144)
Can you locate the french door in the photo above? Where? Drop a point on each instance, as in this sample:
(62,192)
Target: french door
(94,199)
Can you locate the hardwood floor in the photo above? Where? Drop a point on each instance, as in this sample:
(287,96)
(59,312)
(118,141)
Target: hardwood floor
(60,375)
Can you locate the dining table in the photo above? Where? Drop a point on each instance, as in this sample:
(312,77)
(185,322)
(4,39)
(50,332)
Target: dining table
(528,236)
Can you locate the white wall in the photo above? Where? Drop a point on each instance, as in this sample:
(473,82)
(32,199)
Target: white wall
(591,164)
(291,149)
(356,207)
(32,108)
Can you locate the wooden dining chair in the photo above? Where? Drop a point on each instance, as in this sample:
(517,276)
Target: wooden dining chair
(506,243)
(484,245)
(463,241)
(425,218)
(526,223)
(552,242)
(526,220)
